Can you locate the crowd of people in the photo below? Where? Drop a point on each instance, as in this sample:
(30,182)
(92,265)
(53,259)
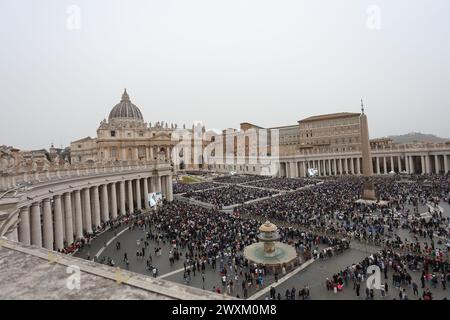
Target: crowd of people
(179,188)
(110,225)
(434,271)
(238,179)
(229,195)
(319,221)
(285,184)
(331,207)
(210,240)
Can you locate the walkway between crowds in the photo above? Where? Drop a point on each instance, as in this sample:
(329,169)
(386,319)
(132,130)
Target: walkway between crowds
(280,281)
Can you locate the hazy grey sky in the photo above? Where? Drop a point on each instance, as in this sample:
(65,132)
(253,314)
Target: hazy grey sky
(221,62)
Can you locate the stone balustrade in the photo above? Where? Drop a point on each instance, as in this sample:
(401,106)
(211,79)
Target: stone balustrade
(26,176)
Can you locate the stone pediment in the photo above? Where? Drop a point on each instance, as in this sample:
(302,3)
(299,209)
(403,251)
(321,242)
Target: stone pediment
(161,135)
(83,140)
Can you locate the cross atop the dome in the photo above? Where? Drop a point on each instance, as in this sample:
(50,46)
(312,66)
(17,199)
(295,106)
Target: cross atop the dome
(125,96)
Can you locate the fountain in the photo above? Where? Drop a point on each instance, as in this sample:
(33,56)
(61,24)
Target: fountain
(269,251)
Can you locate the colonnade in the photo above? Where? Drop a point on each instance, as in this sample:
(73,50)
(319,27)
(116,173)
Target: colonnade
(61,218)
(382,164)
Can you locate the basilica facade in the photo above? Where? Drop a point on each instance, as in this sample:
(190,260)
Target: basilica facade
(126,138)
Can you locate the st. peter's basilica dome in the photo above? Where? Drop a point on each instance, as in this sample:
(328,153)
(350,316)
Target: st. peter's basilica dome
(125,109)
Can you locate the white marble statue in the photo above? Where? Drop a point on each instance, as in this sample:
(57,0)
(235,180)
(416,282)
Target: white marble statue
(34,166)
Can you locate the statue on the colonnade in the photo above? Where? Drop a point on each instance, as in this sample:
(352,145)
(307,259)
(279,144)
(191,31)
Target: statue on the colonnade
(66,164)
(34,166)
(46,166)
(4,164)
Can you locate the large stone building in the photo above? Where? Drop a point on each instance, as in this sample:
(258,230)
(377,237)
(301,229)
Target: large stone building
(329,144)
(337,132)
(125,137)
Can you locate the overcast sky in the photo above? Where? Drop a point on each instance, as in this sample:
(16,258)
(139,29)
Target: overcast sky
(269,62)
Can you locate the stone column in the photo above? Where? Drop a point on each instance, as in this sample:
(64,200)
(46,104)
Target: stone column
(346,165)
(427,164)
(68,216)
(47,233)
(87,210)
(422,160)
(138,194)
(411,164)
(36,230)
(152,184)
(130,196)
(335,167)
(122,196)
(277,169)
(78,215)
(163,186)
(287,169)
(352,166)
(145,184)
(392,164)
(170,187)
(105,206)
(166,187)
(358,166)
(158,183)
(407,164)
(340,166)
(436,164)
(378,165)
(59,224)
(96,207)
(295,169)
(399,160)
(445,163)
(24,226)
(324,166)
(113,201)
(384,165)
(304,168)
(167,153)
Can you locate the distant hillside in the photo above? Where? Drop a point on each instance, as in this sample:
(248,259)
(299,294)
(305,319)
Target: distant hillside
(417,137)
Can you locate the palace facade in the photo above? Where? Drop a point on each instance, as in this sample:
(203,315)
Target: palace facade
(330,144)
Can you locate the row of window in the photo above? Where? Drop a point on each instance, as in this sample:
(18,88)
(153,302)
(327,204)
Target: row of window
(329,123)
(233,167)
(113,134)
